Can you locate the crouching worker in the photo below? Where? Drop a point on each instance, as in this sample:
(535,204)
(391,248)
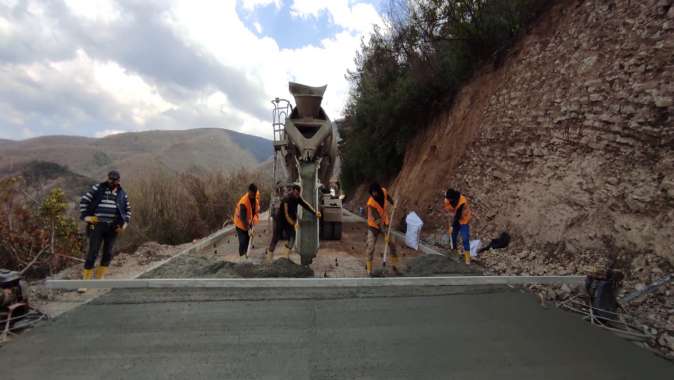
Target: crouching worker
(286,219)
(378,222)
(246,216)
(459,217)
(105,208)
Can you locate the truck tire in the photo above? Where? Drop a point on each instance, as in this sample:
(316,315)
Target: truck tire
(337,231)
(326,229)
(306,260)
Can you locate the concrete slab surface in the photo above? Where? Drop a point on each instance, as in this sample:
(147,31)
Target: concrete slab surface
(294,333)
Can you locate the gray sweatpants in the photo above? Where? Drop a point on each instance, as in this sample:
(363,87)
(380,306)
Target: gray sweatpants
(372,235)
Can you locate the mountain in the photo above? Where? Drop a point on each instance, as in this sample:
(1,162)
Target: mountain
(140,153)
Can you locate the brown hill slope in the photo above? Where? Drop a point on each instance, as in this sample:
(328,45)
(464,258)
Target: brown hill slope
(140,153)
(570,141)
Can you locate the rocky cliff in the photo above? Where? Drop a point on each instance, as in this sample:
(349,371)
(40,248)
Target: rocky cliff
(570,140)
(568,144)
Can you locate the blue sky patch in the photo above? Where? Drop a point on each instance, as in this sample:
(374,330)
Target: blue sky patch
(289,32)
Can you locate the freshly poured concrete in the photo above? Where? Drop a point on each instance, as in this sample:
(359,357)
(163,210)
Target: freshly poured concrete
(374,333)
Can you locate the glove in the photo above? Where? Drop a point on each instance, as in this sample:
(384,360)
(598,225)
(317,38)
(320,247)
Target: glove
(91,219)
(297,226)
(318,214)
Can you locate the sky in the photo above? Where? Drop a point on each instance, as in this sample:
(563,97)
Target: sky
(100,67)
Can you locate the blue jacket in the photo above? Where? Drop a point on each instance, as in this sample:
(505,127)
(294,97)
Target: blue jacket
(89,203)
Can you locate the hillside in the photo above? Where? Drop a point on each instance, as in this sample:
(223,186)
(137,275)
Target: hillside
(138,153)
(570,141)
(41,177)
(567,144)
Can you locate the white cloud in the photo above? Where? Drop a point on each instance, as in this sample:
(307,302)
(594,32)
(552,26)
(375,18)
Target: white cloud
(258,27)
(143,100)
(250,5)
(209,25)
(100,89)
(105,11)
(5,26)
(360,17)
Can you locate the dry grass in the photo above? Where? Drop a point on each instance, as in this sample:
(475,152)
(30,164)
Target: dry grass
(174,209)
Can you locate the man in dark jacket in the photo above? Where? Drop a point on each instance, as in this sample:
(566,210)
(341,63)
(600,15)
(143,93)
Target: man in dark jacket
(105,208)
(286,218)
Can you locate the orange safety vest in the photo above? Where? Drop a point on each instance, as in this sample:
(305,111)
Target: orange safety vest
(465,216)
(371,203)
(245,201)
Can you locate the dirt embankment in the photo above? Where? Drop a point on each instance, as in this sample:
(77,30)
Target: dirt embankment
(568,145)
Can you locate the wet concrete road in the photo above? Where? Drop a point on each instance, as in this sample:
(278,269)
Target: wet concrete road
(410,333)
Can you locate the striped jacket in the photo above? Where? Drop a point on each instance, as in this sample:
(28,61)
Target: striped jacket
(106,204)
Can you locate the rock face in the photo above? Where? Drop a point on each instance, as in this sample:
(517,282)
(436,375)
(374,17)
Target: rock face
(570,141)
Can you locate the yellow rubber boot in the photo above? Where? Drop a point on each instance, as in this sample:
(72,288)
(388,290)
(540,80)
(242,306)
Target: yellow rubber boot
(87,274)
(369,267)
(101,271)
(466,257)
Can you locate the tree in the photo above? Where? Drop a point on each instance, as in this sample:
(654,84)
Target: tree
(32,237)
(413,69)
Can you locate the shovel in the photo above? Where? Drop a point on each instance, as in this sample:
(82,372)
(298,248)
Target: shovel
(388,232)
(251,235)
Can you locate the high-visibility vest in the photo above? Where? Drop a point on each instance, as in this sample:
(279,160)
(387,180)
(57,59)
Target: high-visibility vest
(465,216)
(383,215)
(253,219)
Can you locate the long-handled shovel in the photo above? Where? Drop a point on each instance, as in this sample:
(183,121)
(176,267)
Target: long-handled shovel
(251,235)
(388,233)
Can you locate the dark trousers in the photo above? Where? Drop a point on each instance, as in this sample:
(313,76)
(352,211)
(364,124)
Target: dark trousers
(464,230)
(102,233)
(244,239)
(281,228)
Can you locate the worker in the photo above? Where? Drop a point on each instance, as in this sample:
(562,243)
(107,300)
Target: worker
(378,222)
(459,213)
(105,208)
(286,218)
(246,216)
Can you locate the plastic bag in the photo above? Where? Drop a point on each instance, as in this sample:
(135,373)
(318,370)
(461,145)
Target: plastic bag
(474,247)
(413,232)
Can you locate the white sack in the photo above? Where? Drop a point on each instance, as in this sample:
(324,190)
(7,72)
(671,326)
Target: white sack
(414,224)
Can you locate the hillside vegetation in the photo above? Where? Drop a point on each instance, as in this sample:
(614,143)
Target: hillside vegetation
(414,69)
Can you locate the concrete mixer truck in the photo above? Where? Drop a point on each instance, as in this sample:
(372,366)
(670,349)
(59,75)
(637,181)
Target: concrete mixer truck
(305,153)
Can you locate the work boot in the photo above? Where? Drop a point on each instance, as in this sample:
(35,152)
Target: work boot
(368,267)
(100,272)
(269,255)
(466,257)
(87,274)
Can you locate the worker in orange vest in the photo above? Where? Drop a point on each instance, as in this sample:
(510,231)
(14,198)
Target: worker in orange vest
(246,216)
(377,222)
(459,212)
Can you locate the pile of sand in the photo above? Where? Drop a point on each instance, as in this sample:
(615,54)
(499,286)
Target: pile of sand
(213,267)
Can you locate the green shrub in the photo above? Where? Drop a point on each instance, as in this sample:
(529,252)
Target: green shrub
(409,73)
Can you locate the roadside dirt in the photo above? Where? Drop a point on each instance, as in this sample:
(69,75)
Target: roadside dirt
(55,302)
